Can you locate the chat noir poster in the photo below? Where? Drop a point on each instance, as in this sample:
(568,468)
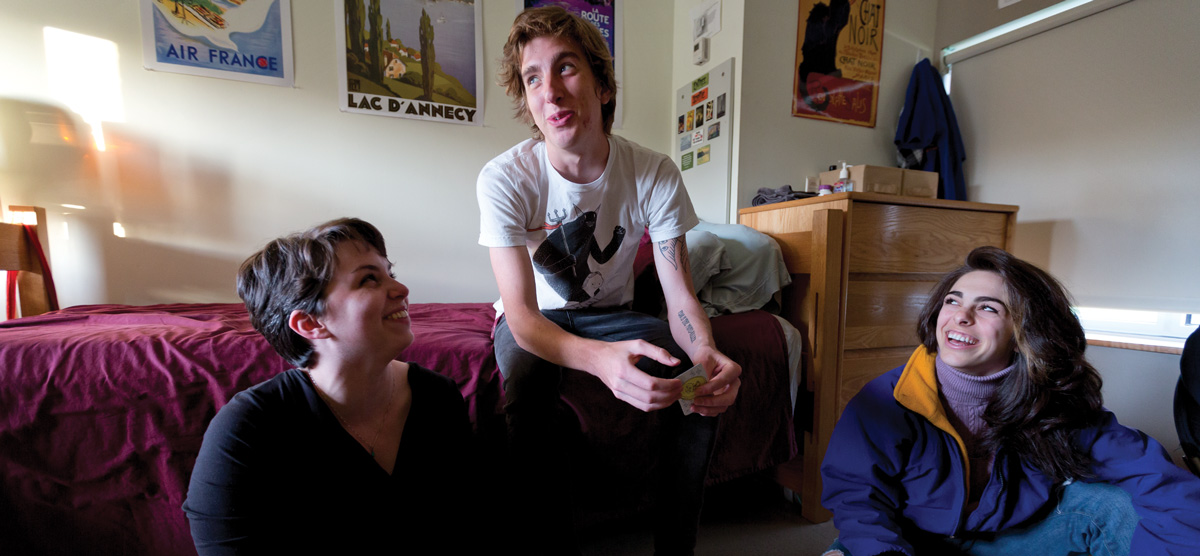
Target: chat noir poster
(839,52)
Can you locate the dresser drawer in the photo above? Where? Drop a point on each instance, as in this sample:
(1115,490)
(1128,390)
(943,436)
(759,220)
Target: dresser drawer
(887,238)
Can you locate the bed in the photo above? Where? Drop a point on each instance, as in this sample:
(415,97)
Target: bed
(103,409)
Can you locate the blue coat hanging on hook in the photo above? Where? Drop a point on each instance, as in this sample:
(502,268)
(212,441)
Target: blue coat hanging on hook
(927,136)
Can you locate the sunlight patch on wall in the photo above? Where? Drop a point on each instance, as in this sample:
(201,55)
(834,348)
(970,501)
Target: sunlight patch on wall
(25,217)
(84,75)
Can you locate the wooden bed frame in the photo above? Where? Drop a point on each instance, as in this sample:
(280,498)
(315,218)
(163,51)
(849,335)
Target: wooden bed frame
(862,266)
(18,253)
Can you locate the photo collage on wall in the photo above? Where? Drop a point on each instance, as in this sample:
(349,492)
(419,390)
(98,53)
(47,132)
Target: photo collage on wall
(699,124)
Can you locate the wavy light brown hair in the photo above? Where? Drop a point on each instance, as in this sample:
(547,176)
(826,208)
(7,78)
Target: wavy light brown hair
(556,22)
(292,273)
(1054,391)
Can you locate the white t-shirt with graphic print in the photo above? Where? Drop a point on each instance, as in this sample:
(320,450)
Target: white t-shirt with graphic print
(581,238)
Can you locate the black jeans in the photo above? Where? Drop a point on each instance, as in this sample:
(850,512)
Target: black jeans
(539,434)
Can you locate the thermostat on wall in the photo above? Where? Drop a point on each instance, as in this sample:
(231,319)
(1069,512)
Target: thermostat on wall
(700,51)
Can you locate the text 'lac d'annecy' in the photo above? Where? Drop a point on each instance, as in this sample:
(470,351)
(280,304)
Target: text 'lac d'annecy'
(430,110)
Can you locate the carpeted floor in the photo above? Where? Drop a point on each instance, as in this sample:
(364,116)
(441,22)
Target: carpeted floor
(750,516)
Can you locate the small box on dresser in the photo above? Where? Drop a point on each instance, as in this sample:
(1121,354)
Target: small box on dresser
(884,179)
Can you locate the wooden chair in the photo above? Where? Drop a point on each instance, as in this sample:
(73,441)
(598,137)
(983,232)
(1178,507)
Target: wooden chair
(17,253)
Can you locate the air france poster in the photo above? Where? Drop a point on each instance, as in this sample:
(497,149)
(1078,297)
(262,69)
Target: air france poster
(416,59)
(243,40)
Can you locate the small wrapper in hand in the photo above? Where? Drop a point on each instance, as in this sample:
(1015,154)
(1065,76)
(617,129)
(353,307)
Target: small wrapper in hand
(692,378)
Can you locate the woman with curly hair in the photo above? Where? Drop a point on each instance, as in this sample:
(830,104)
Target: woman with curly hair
(992,439)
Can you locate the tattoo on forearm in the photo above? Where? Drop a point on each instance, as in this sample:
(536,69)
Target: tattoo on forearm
(671,251)
(688,325)
(668,248)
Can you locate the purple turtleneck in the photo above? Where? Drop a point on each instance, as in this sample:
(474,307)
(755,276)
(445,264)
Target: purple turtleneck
(965,397)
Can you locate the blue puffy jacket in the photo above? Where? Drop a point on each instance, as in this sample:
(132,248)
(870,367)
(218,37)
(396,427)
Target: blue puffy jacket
(895,463)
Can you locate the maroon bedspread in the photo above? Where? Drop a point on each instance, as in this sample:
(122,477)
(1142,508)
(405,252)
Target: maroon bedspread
(103,409)
(455,339)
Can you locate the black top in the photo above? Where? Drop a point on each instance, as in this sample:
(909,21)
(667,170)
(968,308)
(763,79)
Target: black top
(277,472)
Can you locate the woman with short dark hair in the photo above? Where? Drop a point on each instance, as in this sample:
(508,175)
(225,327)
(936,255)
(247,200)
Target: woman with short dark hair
(352,449)
(993,438)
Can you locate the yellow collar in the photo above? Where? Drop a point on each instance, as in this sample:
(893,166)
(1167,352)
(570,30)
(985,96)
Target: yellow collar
(917,390)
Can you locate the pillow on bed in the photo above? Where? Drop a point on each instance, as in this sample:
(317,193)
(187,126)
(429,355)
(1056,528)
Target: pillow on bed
(707,255)
(735,268)
(755,273)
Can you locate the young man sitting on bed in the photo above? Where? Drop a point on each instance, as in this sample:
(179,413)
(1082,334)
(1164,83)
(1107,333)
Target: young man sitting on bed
(562,216)
(351,450)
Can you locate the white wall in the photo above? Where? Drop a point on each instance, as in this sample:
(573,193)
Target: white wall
(199,191)
(1091,129)
(1139,388)
(204,171)
(778,149)
(770,147)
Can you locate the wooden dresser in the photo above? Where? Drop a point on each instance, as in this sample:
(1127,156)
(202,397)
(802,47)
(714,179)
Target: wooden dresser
(862,266)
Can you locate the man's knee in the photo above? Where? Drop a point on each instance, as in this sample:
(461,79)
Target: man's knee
(528,379)
(526,376)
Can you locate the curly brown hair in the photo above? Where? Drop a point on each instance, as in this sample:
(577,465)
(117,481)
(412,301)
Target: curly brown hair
(291,273)
(554,21)
(1054,391)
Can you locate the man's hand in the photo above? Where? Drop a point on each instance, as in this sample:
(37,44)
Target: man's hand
(615,367)
(724,381)
(692,331)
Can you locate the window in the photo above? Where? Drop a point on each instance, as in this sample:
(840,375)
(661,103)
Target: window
(1149,327)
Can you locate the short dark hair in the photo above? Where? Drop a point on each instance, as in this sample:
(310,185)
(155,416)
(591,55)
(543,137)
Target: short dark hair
(291,273)
(554,21)
(1053,391)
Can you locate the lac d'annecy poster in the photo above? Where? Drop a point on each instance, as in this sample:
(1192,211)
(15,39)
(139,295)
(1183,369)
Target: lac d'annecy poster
(418,59)
(839,52)
(244,40)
